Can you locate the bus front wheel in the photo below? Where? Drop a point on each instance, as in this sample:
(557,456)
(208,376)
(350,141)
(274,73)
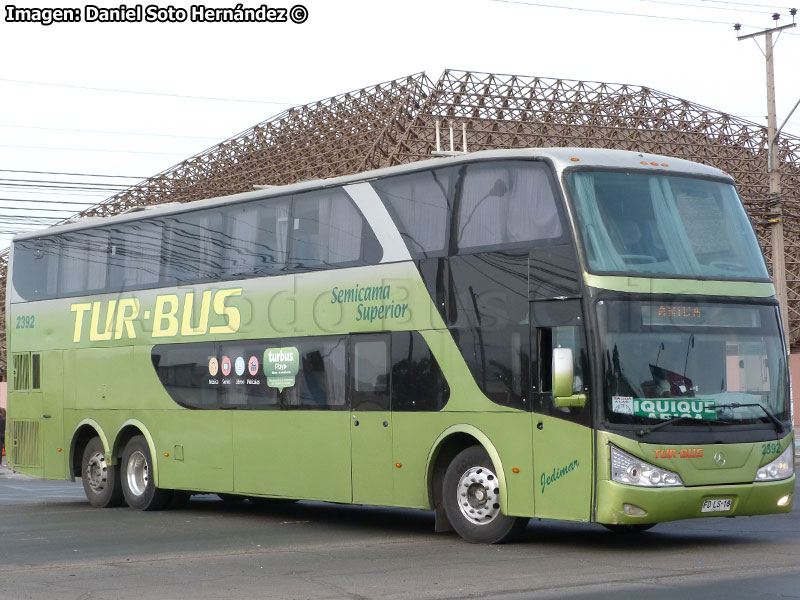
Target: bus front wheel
(471,494)
(101,481)
(138,486)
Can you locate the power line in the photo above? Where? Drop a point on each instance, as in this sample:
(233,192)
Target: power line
(57,181)
(76,174)
(772,7)
(94,150)
(121,91)
(34,208)
(623,14)
(740,10)
(49,201)
(169,135)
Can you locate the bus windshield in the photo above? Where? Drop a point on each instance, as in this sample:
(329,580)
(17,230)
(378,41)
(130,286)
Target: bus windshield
(659,224)
(722,363)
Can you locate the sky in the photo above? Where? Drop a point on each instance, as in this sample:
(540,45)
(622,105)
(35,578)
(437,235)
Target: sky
(128,100)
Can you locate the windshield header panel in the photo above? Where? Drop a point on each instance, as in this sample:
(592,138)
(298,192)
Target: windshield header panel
(655,224)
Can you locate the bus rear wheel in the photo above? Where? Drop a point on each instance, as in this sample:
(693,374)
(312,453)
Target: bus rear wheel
(471,495)
(101,481)
(138,486)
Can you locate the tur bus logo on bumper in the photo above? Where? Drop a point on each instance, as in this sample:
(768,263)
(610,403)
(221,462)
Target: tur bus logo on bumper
(171,316)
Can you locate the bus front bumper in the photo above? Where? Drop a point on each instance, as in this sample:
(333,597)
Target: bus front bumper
(619,504)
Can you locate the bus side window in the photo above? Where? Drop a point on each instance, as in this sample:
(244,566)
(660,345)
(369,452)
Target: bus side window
(559,337)
(369,372)
(559,325)
(320,380)
(418,383)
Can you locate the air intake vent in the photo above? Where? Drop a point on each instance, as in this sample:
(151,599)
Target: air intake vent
(22,371)
(25,443)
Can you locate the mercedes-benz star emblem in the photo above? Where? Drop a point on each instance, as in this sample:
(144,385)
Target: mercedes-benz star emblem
(719,458)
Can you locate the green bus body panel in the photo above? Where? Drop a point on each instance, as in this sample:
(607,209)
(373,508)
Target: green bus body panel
(703,480)
(563,468)
(694,287)
(296,454)
(671,504)
(372,455)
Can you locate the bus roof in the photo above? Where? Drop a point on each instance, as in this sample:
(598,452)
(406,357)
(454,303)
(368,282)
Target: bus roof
(561,158)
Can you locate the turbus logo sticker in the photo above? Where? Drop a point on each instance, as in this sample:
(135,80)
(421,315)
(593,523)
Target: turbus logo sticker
(239,366)
(281,366)
(548,480)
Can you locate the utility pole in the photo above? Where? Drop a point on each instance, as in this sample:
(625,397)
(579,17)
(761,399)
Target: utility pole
(773,169)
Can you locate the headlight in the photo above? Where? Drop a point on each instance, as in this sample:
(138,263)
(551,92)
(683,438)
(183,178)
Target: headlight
(780,468)
(630,470)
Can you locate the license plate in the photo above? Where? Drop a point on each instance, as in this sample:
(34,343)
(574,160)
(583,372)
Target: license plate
(721,505)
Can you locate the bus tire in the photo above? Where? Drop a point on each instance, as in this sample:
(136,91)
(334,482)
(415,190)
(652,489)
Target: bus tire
(471,497)
(101,481)
(138,486)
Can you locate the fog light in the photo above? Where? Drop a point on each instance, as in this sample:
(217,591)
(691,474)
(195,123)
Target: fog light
(633,510)
(785,500)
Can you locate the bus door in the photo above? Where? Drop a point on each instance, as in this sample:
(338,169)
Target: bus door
(562,435)
(371,419)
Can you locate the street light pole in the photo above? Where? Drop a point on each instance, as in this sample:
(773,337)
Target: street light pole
(773,169)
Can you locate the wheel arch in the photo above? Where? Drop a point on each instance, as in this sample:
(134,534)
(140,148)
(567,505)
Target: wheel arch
(450,442)
(130,429)
(84,432)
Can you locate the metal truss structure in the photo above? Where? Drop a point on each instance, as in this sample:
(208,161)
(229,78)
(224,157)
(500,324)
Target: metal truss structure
(395,122)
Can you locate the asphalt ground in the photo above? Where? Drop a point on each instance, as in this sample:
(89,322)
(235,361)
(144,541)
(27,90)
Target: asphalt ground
(54,545)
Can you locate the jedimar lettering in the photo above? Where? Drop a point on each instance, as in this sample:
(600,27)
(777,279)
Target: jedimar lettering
(172,316)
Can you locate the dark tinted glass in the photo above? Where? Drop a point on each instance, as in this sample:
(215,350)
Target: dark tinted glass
(231,375)
(228,242)
(369,372)
(327,229)
(421,205)
(194,246)
(417,382)
(320,381)
(505,204)
(499,360)
(256,238)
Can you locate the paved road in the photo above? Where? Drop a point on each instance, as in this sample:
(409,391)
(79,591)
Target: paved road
(54,545)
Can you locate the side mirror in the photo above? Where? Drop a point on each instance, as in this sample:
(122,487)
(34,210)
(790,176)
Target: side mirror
(563,377)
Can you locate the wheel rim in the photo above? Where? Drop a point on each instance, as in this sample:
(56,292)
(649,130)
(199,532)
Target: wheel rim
(97,472)
(478,495)
(137,473)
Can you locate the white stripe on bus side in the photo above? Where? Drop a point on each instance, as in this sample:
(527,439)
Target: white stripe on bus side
(371,206)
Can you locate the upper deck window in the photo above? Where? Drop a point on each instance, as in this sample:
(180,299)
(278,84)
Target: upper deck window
(506,204)
(662,225)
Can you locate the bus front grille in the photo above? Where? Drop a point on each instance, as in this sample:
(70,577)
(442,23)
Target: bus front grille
(25,442)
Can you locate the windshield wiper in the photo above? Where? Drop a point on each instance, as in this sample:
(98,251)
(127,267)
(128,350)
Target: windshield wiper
(770,415)
(672,421)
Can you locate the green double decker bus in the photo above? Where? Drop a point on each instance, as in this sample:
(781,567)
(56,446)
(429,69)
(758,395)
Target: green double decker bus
(577,334)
